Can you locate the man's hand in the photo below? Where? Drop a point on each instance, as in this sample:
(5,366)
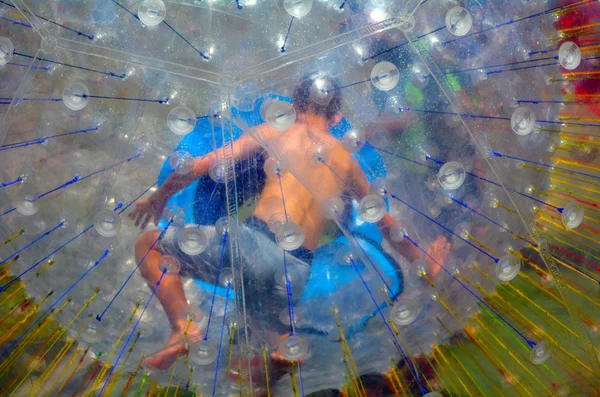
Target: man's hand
(439,250)
(145,210)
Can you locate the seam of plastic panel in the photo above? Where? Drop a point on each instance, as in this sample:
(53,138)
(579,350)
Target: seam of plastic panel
(234,257)
(8,116)
(29,17)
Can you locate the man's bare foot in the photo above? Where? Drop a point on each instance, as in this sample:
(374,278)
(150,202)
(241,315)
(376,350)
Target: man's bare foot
(174,347)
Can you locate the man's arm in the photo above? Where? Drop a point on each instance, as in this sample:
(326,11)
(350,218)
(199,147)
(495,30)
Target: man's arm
(404,247)
(154,206)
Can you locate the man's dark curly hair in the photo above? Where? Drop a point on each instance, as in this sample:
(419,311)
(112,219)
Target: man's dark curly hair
(304,104)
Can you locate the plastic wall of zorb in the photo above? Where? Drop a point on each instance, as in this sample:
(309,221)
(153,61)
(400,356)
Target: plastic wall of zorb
(481,125)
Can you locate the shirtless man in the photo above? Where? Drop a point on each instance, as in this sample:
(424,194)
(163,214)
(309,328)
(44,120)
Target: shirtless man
(311,180)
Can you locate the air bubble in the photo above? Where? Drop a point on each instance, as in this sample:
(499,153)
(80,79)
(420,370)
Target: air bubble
(181,120)
(321,91)
(345,255)
(289,236)
(217,171)
(569,55)
(354,140)
(332,208)
(540,353)
(458,21)
(181,162)
(107,223)
(385,76)
(176,214)
(222,225)
(452,175)
(316,155)
(298,8)
(522,121)
(371,208)
(280,115)
(192,313)
(380,187)
(192,240)
(75,95)
(6,50)
(404,312)
(272,167)
(152,12)
(27,202)
(572,215)
(92,330)
(508,267)
(293,347)
(203,352)
(170,263)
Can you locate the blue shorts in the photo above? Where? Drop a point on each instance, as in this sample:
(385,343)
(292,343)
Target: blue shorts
(261,266)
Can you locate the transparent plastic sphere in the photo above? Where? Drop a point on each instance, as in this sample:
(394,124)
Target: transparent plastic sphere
(152,12)
(371,208)
(217,171)
(6,50)
(176,213)
(192,240)
(272,167)
(397,233)
(404,312)
(203,352)
(332,208)
(280,115)
(379,187)
(222,225)
(107,223)
(170,263)
(508,267)
(321,91)
(92,330)
(181,120)
(293,347)
(354,140)
(316,155)
(458,21)
(289,236)
(181,162)
(298,8)
(569,55)
(75,95)
(572,215)
(452,175)
(385,76)
(345,255)
(540,353)
(522,121)
(27,202)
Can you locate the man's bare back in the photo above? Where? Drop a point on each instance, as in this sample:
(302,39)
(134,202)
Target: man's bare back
(317,182)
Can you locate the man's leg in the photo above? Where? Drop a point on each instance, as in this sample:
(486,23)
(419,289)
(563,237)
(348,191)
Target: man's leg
(171,297)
